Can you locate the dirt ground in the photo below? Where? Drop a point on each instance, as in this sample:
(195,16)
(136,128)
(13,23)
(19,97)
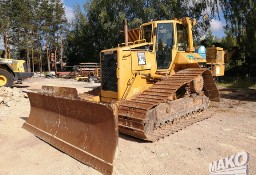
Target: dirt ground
(231,129)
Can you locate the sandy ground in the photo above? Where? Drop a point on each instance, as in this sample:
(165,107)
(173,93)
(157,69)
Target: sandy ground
(231,129)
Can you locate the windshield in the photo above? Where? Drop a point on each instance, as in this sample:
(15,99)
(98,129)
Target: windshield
(164,36)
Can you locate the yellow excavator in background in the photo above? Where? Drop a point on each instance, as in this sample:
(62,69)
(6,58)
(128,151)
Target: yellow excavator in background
(151,86)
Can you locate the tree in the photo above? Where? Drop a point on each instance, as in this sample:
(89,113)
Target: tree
(31,28)
(229,41)
(211,40)
(22,24)
(5,16)
(59,23)
(100,26)
(241,22)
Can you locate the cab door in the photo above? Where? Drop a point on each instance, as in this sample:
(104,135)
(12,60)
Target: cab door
(164,44)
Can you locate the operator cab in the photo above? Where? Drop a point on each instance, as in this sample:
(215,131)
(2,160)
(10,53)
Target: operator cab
(162,35)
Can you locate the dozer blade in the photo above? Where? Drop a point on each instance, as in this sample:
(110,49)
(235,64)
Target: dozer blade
(87,131)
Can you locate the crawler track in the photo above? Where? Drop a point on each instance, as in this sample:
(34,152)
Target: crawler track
(157,113)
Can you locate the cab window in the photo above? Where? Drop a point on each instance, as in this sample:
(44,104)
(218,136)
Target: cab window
(147,33)
(182,37)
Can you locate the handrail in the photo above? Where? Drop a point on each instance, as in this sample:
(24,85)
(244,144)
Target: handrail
(139,41)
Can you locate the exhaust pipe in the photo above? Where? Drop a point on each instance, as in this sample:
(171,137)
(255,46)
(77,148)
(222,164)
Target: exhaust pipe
(125,32)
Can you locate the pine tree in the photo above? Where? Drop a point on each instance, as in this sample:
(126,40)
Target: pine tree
(5,17)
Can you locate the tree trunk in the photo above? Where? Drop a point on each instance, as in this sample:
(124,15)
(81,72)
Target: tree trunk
(5,45)
(27,50)
(32,51)
(8,47)
(61,51)
(48,58)
(55,60)
(40,63)
(39,51)
(33,61)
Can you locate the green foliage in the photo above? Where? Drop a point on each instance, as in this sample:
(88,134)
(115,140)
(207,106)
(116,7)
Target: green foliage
(4,16)
(101,25)
(211,40)
(241,22)
(229,41)
(237,82)
(31,25)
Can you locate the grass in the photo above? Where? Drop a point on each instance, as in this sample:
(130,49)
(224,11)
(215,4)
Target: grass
(237,82)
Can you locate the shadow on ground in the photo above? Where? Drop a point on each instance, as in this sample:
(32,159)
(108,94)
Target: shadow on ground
(24,118)
(20,86)
(130,138)
(92,86)
(235,94)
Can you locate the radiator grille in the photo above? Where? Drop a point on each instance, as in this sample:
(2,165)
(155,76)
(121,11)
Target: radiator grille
(108,66)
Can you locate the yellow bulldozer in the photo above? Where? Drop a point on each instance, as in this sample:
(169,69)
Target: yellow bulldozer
(151,86)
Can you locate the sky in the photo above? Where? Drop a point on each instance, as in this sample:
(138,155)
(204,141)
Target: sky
(217,27)
(69,6)
(216,24)
(71,3)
